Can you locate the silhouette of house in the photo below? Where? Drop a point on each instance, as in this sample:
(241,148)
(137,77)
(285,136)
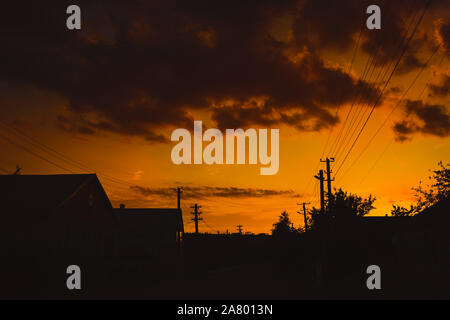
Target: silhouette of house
(429,227)
(51,221)
(69,212)
(381,229)
(435,217)
(432,230)
(148,232)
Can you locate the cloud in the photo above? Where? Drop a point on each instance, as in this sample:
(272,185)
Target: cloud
(428,119)
(139,68)
(346,23)
(203,192)
(442,34)
(442,88)
(403,130)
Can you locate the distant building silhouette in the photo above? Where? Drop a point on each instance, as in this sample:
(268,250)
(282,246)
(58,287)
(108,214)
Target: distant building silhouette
(149,231)
(51,214)
(47,223)
(432,231)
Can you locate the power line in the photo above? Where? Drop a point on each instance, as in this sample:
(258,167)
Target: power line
(368,65)
(4,170)
(35,154)
(52,152)
(196,214)
(359,100)
(311,178)
(355,50)
(340,143)
(393,109)
(356,118)
(207,225)
(376,161)
(363,76)
(391,141)
(386,84)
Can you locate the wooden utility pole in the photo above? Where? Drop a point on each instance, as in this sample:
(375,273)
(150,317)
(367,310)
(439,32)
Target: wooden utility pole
(179,191)
(304,213)
(328,160)
(239,228)
(322,196)
(196,214)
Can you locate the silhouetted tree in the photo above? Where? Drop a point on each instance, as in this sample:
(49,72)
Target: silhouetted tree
(438,190)
(283,226)
(341,206)
(315,219)
(399,211)
(309,221)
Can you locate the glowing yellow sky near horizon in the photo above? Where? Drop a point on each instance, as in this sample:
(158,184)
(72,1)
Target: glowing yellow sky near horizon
(131,159)
(401,168)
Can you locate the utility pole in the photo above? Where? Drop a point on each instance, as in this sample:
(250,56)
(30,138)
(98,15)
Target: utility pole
(328,160)
(322,196)
(196,219)
(180,232)
(179,191)
(304,213)
(239,228)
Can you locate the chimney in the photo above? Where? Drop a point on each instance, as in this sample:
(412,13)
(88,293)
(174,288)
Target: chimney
(122,206)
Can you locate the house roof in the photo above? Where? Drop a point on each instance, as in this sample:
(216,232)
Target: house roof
(39,192)
(385,223)
(150,218)
(384,219)
(438,211)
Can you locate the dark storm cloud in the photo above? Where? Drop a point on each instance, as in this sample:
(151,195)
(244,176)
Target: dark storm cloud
(203,192)
(331,24)
(137,67)
(429,119)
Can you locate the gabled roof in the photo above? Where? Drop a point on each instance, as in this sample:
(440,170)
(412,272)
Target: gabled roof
(39,192)
(153,218)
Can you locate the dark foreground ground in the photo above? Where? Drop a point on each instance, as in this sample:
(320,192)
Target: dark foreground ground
(211,267)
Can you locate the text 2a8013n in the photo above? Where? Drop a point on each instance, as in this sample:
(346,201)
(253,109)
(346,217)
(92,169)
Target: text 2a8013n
(255,309)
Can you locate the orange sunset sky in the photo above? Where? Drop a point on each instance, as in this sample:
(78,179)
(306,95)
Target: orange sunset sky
(106,98)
